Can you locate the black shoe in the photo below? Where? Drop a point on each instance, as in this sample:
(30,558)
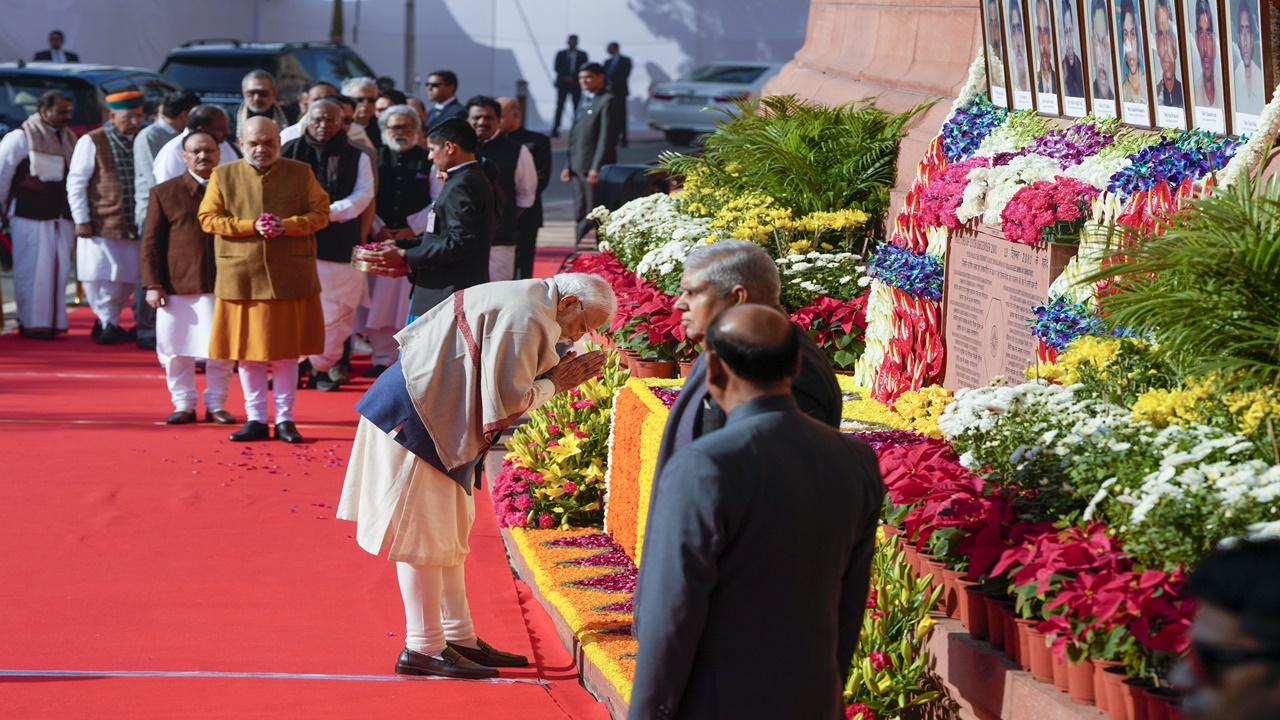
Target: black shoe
(38,334)
(374,371)
(288,432)
(97,329)
(132,333)
(221,417)
(320,381)
(450,665)
(181,417)
(489,656)
(112,335)
(251,432)
(147,343)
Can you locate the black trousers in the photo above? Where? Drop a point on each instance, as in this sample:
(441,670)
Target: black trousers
(561,93)
(526,248)
(584,201)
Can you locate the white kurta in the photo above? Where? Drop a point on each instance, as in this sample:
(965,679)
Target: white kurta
(41,250)
(98,259)
(389,300)
(169,163)
(402,505)
(183,325)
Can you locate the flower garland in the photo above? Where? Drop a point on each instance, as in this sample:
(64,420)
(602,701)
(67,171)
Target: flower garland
(972,89)
(918,274)
(1046,211)
(639,419)
(1252,154)
(969,126)
(1060,321)
(1172,160)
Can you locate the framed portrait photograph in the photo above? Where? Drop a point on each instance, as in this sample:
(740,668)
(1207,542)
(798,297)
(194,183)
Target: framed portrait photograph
(1131,57)
(993,42)
(1251,77)
(1204,43)
(1019,67)
(1044,57)
(1168,86)
(1070,57)
(1102,67)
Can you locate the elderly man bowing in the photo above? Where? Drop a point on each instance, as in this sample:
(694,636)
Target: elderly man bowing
(469,367)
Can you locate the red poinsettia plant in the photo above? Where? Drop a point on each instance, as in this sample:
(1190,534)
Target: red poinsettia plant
(837,326)
(1047,210)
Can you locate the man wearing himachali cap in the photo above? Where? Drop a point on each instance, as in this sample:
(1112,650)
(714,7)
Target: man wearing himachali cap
(100,192)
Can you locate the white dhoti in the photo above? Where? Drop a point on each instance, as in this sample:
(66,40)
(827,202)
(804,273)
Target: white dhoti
(389,300)
(108,271)
(342,289)
(183,326)
(403,506)
(41,265)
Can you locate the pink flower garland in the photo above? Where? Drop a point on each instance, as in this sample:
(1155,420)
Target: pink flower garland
(1036,210)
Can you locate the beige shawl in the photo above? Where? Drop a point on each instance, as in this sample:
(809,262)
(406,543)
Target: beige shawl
(470,362)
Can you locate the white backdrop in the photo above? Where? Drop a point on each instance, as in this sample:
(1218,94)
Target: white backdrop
(490,44)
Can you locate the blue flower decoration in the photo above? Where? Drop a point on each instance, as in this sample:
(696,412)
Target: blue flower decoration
(917,274)
(964,133)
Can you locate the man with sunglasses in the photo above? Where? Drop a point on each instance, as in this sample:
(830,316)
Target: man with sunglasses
(442,91)
(1232,671)
(364,92)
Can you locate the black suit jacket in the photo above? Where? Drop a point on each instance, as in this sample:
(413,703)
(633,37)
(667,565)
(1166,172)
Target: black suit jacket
(593,141)
(452,109)
(617,81)
(566,71)
(767,523)
(695,413)
(47,56)
(540,147)
(454,254)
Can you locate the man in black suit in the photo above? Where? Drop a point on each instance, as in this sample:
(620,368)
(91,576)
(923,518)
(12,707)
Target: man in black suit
(442,93)
(55,53)
(453,253)
(617,74)
(568,62)
(768,523)
(717,277)
(517,181)
(593,143)
(530,220)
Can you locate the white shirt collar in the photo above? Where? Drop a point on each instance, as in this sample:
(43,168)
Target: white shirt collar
(199,179)
(438,106)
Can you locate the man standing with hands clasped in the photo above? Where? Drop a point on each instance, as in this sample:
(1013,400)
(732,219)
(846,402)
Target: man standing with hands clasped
(772,517)
(593,143)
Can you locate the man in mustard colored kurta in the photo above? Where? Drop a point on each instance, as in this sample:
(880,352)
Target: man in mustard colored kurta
(263,212)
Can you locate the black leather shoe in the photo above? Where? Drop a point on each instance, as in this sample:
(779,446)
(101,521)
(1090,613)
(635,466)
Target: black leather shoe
(147,343)
(374,371)
(450,665)
(112,335)
(489,656)
(181,417)
(251,432)
(222,417)
(97,329)
(288,432)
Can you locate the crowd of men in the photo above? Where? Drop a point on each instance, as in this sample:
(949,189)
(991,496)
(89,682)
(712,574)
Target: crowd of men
(131,202)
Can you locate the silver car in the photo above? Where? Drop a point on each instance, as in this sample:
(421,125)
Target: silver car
(693,105)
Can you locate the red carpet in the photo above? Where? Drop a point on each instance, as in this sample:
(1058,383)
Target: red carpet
(167,569)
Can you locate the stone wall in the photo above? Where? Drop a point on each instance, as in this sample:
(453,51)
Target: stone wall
(903,52)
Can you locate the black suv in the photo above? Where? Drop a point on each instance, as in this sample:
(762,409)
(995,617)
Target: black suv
(22,83)
(213,69)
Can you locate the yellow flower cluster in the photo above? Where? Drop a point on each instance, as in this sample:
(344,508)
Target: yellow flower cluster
(1044,371)
(1087,351)
(1163,408)
(922,408)
(753,217)
(1200,398)
(1252,410)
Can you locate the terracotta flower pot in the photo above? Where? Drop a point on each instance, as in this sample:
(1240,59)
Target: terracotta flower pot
(995,621)
(890,531)
(1012,643)
(1113,679)
(1160,700)
(1060,680)
(630,358)
(911,555)
(973,611)
(655,368)
(1026,651)
(685,367)
(1039,658)
(1100,696)
(951,597)
(1080,682)
(1133,691)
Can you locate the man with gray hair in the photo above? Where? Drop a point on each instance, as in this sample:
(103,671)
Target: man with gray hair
(469,367)
(716,277)
(405,181)
(346,174)
(364,91)
(261,99)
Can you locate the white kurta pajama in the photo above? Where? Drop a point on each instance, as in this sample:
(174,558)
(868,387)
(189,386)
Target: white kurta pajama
(471,366)
(342,287)
(183,326)
(389,300)
(106,267)
(41,249)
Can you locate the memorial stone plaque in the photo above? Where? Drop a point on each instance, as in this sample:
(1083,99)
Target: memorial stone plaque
(991,285)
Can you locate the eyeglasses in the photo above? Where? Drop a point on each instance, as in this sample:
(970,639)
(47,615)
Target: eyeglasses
(1209,662)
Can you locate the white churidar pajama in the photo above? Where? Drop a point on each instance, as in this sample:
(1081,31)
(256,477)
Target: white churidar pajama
(342,287)
(183,325)
(284,388)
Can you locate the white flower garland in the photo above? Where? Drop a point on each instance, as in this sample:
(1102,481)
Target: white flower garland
(879,332)
(1253,153)
(975,84)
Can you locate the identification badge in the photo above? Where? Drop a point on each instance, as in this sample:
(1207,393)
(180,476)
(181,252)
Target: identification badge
(431,222)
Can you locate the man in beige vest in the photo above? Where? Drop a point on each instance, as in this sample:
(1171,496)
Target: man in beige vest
(263,212)
(100,192)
